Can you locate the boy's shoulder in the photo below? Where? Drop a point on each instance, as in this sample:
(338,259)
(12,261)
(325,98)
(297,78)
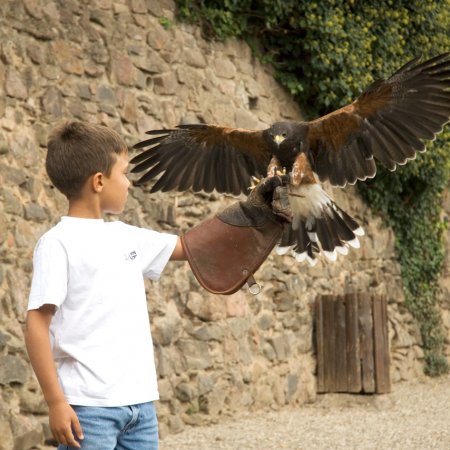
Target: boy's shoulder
(54,232)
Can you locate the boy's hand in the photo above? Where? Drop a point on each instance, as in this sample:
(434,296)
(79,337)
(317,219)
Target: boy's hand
(64,424)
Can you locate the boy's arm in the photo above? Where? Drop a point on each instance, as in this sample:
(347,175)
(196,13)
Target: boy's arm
(178,253)
(62,417)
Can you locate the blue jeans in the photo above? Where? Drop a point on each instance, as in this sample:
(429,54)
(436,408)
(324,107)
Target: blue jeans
(132,427)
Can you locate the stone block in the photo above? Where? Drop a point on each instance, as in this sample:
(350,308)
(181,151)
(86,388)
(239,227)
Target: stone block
(106,95)
(165,389)
(157,36)
(208,332)
(213,402)
(102,18)
(12,175)
(6,435)
(15,85)
(291,387)
(239,327)
(281,346)
(130,109)
(208,308)
(35,212)
(268,351)
(165,84)
(263,396)
(185,392)
(265,319)
(205,384)
(194,57)
(69,57)
(236,304)
(123,70)
(224,68)
(194,78)
(284,301)
(138,6)
(32,401)
(245,353)
(176,425)
(11,203)
(33,8)
(13,369)
(162,8)
(52,102)
(195,355)
(27,432)
(168,328)
(4,338)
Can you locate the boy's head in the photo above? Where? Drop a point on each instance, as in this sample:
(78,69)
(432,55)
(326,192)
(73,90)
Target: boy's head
(77,150)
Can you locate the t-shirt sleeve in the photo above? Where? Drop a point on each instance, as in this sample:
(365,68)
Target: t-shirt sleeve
(156,249)
(50,274)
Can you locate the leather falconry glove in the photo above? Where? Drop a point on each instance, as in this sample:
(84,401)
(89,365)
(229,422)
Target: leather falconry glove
(226,250)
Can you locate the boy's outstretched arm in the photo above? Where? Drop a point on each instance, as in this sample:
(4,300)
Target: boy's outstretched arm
(62,418)
(178,252)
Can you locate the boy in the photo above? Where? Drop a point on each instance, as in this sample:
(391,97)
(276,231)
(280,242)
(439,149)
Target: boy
(87,307)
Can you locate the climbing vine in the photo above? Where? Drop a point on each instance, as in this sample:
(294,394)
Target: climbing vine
(325,53)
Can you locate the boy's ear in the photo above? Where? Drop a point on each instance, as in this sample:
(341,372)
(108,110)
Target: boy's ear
(97,182)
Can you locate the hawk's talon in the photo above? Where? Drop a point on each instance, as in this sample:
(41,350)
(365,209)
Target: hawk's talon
(255,181)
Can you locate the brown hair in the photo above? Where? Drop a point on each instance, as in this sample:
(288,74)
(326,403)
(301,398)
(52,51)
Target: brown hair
(77,150)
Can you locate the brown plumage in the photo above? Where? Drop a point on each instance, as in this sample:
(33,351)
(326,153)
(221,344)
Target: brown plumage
(386,122)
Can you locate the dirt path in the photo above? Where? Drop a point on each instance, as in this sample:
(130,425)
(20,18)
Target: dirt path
(415,416)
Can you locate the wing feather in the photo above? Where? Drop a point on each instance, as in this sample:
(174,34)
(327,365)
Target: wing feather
(202,157)
(171,178)
(388,121)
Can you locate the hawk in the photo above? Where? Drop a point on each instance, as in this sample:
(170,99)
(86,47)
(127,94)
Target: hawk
(387,122)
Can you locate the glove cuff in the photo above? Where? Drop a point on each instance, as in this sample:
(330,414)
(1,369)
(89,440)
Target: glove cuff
(223,256)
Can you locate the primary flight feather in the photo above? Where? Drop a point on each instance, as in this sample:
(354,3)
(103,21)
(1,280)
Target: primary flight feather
(386,122)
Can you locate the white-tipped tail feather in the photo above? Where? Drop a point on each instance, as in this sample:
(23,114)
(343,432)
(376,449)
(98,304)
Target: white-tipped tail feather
(319,227)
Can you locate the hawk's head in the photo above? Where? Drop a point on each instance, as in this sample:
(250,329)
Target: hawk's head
(284,140)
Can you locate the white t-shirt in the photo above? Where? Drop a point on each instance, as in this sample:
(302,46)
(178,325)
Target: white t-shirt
(100,334)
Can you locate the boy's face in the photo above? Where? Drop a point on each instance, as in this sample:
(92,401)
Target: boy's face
(115,191)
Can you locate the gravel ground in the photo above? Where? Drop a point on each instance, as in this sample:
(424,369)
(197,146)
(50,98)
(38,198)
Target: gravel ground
(415,416)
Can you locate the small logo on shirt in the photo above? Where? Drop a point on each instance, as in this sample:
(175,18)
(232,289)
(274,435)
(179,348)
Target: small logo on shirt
(131,255)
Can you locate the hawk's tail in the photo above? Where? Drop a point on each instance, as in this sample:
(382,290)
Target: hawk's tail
(332,232)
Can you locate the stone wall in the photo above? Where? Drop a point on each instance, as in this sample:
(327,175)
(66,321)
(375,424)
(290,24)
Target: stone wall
(113,62)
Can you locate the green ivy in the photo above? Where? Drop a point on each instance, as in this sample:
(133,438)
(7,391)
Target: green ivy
(325,53)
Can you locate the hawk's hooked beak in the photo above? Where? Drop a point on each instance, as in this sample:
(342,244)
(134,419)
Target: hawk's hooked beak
(278,139)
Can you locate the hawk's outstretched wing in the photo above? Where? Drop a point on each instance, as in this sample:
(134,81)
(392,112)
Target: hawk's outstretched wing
(387,121)
(202,157)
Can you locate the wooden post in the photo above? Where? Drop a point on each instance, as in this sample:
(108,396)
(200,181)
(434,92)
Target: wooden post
(340,349)
(329,344)
(352,344)
(319,345)
(381,341)
(366,344)
(353,353)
